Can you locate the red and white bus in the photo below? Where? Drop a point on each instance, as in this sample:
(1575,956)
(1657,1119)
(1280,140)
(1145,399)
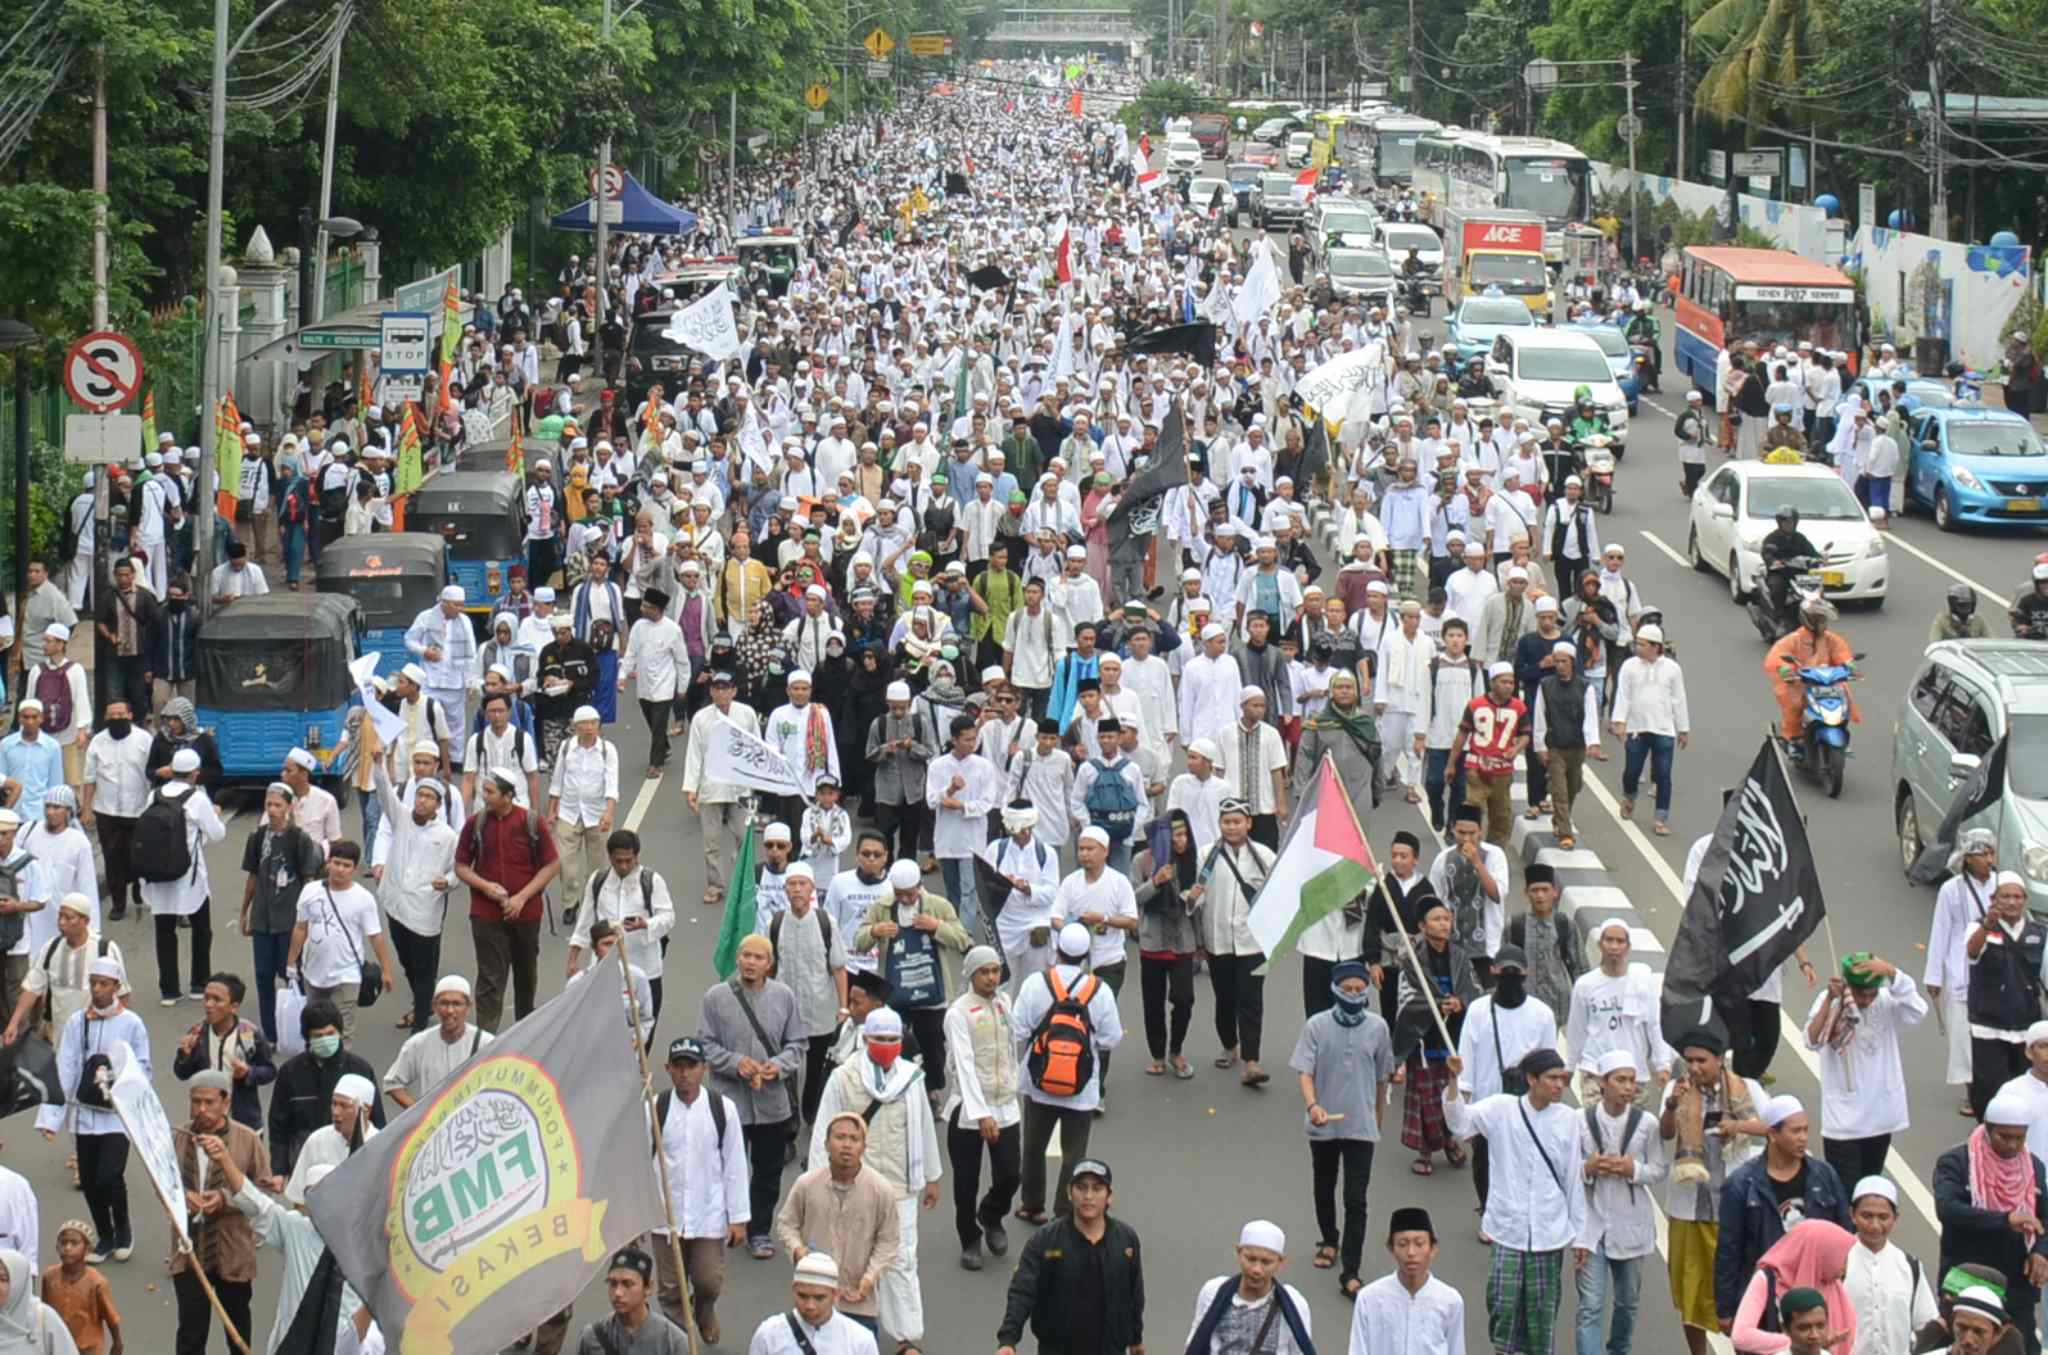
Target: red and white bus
(1727,295)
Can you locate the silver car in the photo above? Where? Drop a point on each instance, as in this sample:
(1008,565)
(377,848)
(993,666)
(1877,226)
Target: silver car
(1967,695)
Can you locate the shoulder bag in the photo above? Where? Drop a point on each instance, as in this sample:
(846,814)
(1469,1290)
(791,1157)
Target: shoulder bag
(373,972)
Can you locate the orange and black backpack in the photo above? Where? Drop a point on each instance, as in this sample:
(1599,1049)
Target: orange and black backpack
(1061,1060)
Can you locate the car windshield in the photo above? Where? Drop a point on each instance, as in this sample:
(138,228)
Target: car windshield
(1346,223)
(1610,341)
(1564,364)
(1277,185)
(1401,239)
(1993,437)
(1185,145)
(2026,757)
(1509,272)
(780,257)
(1356,263)
(1824,498)
(1494,313)
(1242,175)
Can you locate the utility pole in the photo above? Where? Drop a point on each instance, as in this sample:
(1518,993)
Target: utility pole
(732,166)
(102,494)
(1684,80)
(1222,43)
(313,305)
(598,204)
(214,379)
(1937,120)
(1628,85)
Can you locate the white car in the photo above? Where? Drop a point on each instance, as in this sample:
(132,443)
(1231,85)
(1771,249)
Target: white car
(1183,155)
(1298,147)
(1536,372)
(1398,237)
(1736,507)
(1207,194)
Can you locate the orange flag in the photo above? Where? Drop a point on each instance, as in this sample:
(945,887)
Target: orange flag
(227,457)
(515,458)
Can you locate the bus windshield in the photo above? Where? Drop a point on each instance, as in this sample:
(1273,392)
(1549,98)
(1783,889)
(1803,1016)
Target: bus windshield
(1826,324)
(1397,152)
(1551,186)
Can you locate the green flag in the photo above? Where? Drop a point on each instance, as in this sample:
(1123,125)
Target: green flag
(739,911)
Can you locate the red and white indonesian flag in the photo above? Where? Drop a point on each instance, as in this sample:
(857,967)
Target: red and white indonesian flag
(1063,252)
(1150,180)
(1305,184)
(1323,865)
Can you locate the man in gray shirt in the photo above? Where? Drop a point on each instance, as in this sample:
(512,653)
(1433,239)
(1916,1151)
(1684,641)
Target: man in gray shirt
(754,1039)
(1345,1059)
(810,958)
(633,1327)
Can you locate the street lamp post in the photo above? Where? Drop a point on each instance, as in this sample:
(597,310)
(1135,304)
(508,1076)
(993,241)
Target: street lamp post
(313,232)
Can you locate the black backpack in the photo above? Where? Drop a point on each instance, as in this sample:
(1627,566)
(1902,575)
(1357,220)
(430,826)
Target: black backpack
(775,935)
(13,926)
(666,1099)
(162,849)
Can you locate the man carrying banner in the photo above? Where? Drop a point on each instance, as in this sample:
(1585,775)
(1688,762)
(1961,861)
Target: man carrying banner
(222,1240)
(84,1071)
(697,1132)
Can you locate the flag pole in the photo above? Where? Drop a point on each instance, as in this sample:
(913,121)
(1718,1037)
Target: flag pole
(192,1254)
(668,1205)
(1827,923)
(1407,942)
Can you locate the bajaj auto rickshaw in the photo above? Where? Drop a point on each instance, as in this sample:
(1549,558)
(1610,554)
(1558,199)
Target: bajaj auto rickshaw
(273,675)
(482,517)
(395,576)
(494,455)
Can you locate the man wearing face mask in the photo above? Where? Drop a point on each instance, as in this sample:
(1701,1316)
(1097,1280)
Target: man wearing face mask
(903,1149)
(115,789)
(1345,1061)
(1499,1029)
(301,1101)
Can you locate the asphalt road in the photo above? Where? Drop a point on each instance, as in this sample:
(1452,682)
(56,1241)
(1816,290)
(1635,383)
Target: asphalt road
(1196,1159)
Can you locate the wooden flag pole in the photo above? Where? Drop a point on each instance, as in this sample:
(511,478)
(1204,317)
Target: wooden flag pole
(1407,941)
(668,1205)
(192,1254)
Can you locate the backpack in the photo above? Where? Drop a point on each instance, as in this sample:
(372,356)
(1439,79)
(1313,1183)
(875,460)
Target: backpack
(13,926)
(646,892)
(48,1008)
(666,1099)
(775,936)
(53,689)
(1061,1057)
(162,849)
(1111,805)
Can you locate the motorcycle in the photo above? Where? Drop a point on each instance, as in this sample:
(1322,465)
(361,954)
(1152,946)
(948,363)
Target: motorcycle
(1773,623)
(1415,295)
(1822,749)
(1643,361)
(1598,455)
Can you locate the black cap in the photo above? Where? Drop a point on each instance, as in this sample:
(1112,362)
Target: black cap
(1511,957)
(686,1047)
(1466,814)
(1539,873)
(869,982)
(1091,1166)
(655,598)
(1048,725)
(1404,838)
(1410,1219)
(632,1258)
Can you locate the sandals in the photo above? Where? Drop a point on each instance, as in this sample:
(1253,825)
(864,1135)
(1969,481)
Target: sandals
(1182,1069)
(1628,806)
(1226,1060)
(1155,1070)
(404,1022)
(1661,828)
(1034,1217)
(1454,1155)
(1255,1077)
(1532,814)
(1422,1166)
(1567,842)
(1326,1257)
(1349,1286)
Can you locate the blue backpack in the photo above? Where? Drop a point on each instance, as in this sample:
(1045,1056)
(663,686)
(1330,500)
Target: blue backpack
(1112,806)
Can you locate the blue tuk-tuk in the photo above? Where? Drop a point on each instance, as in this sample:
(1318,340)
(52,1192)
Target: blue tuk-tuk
(395,576)
(495,454)
(272,675)
(482,517)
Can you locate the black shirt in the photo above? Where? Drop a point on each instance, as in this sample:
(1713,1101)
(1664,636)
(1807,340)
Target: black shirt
(281,864)
(1791,1196)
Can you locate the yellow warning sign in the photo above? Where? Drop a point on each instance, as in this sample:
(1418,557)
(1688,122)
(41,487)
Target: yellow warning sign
(817,96)
(879,43)
(930,44)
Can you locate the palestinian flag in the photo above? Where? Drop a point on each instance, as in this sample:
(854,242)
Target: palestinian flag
(1324,864)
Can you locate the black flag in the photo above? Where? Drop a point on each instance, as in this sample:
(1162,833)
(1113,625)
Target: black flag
(1135,519)
(1197,339)
(988,278)
(28,1076)
(1757,897)
(956,183)
(1984,788)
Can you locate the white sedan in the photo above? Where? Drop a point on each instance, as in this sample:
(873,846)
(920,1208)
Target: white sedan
(1736,506)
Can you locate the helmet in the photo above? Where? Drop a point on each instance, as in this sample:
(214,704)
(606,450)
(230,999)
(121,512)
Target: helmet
(1583,395)
(1782,409)
(1962,599)
(2040,573)
(1817,611)
(1642,307)
(1788,516)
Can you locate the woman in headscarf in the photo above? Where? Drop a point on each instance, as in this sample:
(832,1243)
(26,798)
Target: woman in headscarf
(501,648)
(764,667)
(872,673)
(1096,506)
(28,1326)
(1813,1255)
(924,633)
(1169,934)
(178,727)
(942,699)
(1346,730)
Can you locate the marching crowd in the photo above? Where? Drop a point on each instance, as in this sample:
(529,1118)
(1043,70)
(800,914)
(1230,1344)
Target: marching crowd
(888,539)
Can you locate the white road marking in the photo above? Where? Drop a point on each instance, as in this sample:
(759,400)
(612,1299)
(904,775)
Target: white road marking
(1894,539)
(642,802)
(1658,542)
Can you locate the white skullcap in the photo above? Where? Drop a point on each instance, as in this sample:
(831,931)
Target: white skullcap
(1073,940)
(798,675)
(1546,603)
(1876,1185)
(1213,631)
(776,832)
(107,967)
(356,1088)
(905,875)
(801,870)
(1499,668)
(993,673)
(818,1269)
(1378,586)
(1517,572)
(1092,833)
(882,1024)
(1779,1109)
(2010,1106)
(56,630)
(452,593)
(31,705)
(1613,1061)
(414,674)
(1260,1233)
(1652,633)
(585,713)
(1248,691)
(184,760)
(2007,877)
(303,758)
(896,691)
(76,903)
(453,983)
(1565,647)
(1207,748)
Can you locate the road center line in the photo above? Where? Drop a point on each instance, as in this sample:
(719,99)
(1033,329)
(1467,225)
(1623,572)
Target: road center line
(1893,538)
(1658,542)
(642,802)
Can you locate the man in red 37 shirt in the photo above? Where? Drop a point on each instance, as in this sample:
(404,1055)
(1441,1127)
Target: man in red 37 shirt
(1490,737)
(506,859)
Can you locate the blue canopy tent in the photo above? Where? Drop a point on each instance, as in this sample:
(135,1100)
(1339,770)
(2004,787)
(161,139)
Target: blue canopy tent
(640,213)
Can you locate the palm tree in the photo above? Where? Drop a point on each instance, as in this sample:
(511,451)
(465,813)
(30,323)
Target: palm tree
(1762,48)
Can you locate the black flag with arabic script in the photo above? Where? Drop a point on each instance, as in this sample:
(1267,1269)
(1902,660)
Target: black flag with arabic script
(28,1076)
(1756,899)
(1982,789)
(1135,519)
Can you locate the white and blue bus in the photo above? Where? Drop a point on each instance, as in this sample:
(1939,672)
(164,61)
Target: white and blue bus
(1466,172)
(1390,141)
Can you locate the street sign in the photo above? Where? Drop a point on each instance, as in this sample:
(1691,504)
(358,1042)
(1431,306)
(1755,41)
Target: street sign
(1629,126)
(1540,74)
(878,70)
(708,154)
(1717,166)
(817,96)
(396,390)
(612,177)
(405,346)
(1866,205)
(879,43)
(931,44)
(1759,164)
(101,439)
(327,338)
(611,213)
(103,371)
(1373,89)
(816,117)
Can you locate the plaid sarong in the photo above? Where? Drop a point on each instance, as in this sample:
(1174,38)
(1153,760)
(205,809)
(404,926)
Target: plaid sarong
(1402,572)
(1522,1294)
(1422,1113)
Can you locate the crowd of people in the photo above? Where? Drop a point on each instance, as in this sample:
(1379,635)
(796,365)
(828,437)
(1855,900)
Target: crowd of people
(884,539)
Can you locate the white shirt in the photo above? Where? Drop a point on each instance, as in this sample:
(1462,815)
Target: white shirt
(963,1081)
(620,898)
(1650,698)
(1891,1302)
(1521,1029)
(707,1181)
(1208,696)
(339,925)
(1959,906)
(1468,590)
(413,856)
(1109,894)
(247,582)
(2036,1093)
(189,892)
(20,1226)
(703,725)
(119,772)
(1202,801)
(1871,1066)
(1255,785)
(66,862)
(584,780)
(426,1060)
(1527,1209)
(511,752)
(840,1335)
(962,832)
(1034,999)
(1388,1320)
(656,653)
(1620,1220)
(1610,1012)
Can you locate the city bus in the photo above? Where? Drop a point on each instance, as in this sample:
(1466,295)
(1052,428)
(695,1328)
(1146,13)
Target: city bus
(1480,172)
(1388,152)
(1329,128)
(1770,295)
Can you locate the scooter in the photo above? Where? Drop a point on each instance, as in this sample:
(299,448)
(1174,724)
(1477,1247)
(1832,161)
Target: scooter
(1643,359)
(1598,455)
(1822,749)
(1772,623)
(1415,292)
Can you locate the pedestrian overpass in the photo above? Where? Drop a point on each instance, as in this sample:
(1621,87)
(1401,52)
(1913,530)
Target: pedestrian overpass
(1051,28)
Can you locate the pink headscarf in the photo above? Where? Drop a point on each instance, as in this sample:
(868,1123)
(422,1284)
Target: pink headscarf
(1815,1255)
